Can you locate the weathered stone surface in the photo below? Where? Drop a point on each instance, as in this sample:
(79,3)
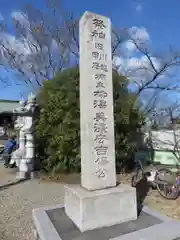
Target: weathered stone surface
(96,103)
(100,208)
(67,230)
(98,202)
(53,223)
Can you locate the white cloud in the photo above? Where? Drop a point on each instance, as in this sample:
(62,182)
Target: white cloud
(16,45)
(25,46)
(142,62)
(140,36)
(139,33)
(139,7)
(27,52)
(136,68)
(129,46)
(21,17)
(139,71)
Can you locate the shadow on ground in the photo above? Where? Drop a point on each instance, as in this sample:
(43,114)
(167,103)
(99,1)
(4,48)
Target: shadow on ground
(142,190)
(6,186)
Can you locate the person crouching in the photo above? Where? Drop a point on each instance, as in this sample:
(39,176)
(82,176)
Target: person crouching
(8,149)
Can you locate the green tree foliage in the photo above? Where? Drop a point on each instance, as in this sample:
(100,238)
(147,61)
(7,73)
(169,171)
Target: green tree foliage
(58,126)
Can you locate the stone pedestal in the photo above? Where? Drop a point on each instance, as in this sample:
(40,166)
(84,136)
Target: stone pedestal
(95,209)
(21,175)
(30,152)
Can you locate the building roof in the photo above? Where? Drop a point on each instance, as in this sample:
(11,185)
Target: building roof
(7,106)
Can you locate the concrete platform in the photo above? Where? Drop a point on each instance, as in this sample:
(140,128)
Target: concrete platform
(101,208)
(51,223)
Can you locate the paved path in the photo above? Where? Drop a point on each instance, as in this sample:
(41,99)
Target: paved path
(17,201)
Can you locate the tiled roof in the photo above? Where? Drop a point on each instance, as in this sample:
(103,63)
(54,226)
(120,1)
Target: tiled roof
(7,106)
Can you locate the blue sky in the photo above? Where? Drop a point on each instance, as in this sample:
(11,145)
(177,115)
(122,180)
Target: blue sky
(160,19)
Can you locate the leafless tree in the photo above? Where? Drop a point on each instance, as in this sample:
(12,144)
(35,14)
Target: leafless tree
(44,43)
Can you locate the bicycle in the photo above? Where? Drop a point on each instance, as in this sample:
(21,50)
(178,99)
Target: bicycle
(163,179)
(167,183)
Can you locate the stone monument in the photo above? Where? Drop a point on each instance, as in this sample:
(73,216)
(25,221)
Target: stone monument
(24,156)
(99,201)
(19,124)
(106,209)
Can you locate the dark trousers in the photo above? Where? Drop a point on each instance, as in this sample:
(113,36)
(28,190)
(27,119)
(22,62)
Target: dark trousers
(6,157)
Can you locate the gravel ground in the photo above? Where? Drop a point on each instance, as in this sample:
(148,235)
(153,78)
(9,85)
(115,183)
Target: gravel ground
(18,200)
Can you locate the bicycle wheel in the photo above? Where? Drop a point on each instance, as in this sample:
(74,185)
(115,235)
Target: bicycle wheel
(165,181)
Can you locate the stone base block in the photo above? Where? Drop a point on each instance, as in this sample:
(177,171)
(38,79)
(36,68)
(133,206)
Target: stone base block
(21,175)
(101,208)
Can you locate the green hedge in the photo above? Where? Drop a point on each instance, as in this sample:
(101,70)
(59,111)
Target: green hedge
(58,126)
